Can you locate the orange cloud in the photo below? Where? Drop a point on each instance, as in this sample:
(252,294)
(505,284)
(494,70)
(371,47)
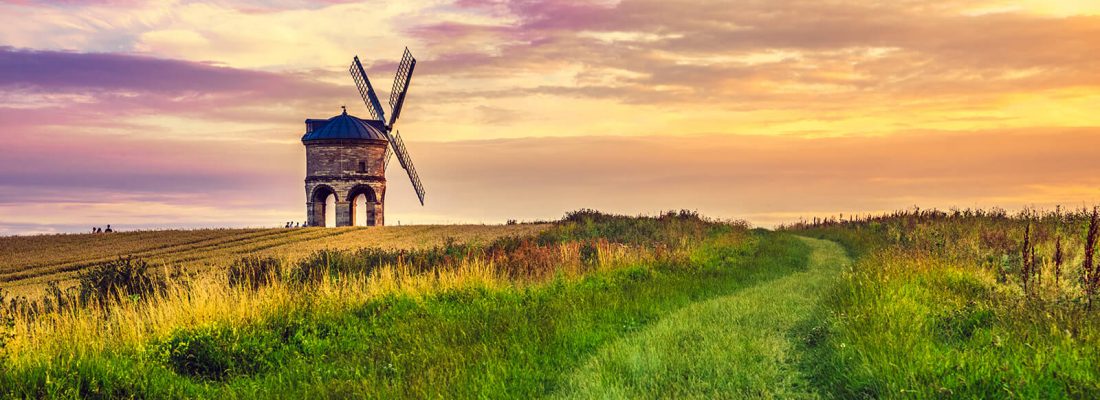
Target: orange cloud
(764,109)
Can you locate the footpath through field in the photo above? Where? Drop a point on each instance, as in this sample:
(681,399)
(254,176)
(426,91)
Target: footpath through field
(737,346)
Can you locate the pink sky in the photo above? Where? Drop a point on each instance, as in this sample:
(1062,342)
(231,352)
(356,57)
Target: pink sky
(148,114)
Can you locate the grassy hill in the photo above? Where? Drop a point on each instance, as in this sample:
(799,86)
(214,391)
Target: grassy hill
(492,318)
(909,305)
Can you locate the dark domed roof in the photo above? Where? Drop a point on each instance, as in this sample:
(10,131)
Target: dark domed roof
(344,126)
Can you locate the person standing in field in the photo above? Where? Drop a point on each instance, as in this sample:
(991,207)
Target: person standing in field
(108,230)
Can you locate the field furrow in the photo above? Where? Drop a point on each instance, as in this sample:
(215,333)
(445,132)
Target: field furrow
(152,254)
(34,252)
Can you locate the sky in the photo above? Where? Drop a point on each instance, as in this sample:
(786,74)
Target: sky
(159,114)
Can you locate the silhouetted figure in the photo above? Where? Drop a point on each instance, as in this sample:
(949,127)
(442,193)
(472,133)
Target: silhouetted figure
(108,230)
(98,230)
(93,229)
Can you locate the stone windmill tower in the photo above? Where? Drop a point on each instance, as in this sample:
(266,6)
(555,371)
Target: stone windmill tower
(346,157)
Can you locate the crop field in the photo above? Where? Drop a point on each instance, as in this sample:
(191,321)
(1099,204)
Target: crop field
(28,262)
(913,304)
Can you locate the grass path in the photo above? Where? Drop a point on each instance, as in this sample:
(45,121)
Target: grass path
(736,346)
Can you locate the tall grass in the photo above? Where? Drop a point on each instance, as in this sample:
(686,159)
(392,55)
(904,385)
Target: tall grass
(960,304)
(269,318)
(30,262)
(327,280)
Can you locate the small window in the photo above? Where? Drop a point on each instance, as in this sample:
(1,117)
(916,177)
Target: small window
(362,166)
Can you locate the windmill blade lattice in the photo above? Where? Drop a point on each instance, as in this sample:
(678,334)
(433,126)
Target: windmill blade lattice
(401,85)
(366,91)
(407,164)
(397,99)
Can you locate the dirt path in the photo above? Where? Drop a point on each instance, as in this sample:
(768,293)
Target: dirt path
(737,346)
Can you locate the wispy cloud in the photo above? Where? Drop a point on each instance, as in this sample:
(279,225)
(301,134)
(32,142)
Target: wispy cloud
(765,109)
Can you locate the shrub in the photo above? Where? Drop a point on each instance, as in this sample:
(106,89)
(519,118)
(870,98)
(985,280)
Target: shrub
(666,228)
(127,276)
(254,272)
(7,324)
(333,263)
(314,267)
(590,254)
(57,299)
(214,353)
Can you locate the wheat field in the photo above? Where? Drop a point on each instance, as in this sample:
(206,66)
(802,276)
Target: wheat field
(29,262)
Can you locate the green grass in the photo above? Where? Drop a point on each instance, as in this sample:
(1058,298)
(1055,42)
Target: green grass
(507,343)
(735,346)
(934,308)
(924,328)
(931,307)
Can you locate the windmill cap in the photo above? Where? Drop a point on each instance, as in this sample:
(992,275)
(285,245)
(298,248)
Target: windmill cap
(344,127)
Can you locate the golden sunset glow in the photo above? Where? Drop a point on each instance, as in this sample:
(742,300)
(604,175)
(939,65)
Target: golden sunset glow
(169,113)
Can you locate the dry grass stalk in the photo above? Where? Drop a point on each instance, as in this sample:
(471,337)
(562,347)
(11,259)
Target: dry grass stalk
(1027,260)
(210,299)
(1089,278)
(1059,258)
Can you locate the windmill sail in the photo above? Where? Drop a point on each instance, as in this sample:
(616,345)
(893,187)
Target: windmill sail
(366,91)
(401,85)
(397,99)
(407,164)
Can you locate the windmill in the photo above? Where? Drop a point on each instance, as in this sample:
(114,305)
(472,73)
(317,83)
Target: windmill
(397,98)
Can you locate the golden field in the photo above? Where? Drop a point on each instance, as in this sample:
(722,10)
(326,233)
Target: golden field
(210,299)
(27,263)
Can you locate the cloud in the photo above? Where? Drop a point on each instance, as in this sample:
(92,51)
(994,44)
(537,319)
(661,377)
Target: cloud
(740,56)
(526,109)
(65,70)
(706,51)
(66,89)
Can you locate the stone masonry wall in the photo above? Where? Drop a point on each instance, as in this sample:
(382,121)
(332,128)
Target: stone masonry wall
(333,167)
(343,158)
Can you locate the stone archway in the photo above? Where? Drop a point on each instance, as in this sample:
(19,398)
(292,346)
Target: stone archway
(319,210)
(367,215)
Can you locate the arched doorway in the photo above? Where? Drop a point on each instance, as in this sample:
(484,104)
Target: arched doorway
(359,209)
(363,201)
(324,206)
(330,210)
